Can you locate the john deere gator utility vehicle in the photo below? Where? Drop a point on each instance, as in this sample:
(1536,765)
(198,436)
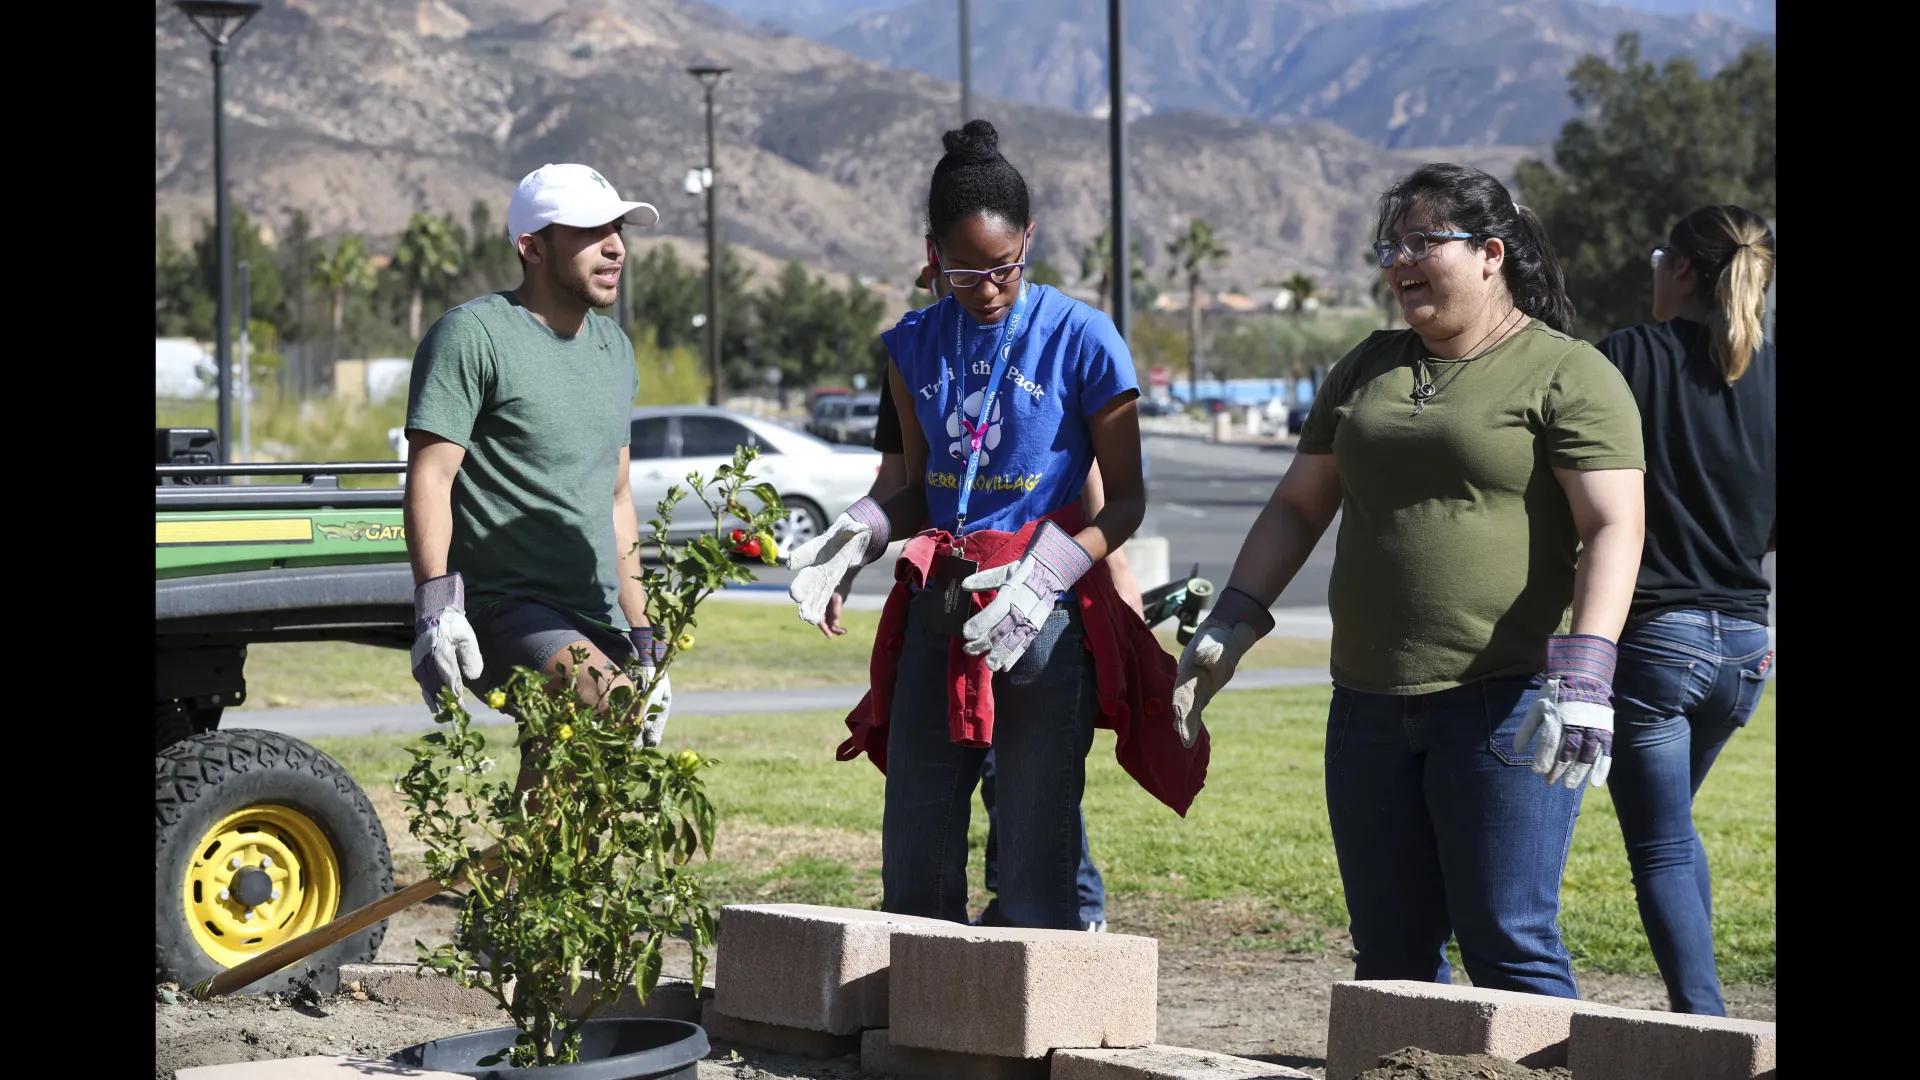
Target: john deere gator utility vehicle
(258,837)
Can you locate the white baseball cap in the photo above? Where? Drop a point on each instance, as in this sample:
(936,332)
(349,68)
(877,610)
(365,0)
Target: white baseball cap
(567,195)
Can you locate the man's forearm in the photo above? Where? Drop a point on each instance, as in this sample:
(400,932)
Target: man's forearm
(428,517)
(626,534)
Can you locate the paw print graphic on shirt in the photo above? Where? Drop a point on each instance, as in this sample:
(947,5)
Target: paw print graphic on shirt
(959,429)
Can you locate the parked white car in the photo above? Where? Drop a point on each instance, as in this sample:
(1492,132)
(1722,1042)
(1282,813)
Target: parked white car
(816,480)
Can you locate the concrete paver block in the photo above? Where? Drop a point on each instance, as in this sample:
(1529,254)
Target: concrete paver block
(879,1057)
(396,984)
(1163,1063)
(1647,1045)
(779,1038)
(1372,1018)
(807,966)
(312,1068)
(1021,993)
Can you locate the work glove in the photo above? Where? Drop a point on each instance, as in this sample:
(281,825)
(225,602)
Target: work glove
(444,645)
(647,653)
(1029,587)
(1229,630)
(1573,716)
(856,538)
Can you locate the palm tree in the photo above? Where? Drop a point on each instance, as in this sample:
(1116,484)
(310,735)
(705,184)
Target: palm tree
(1300,286)
(343,271)
(1097,259)
(429,256)
(1194,251)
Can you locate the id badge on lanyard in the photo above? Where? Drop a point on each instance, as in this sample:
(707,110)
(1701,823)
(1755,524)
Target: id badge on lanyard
(950,570)
(1003,354)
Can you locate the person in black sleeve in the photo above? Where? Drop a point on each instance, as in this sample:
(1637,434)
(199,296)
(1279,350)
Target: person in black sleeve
(1694,658)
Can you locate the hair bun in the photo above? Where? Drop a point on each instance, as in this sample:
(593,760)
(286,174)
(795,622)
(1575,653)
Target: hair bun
(976,143)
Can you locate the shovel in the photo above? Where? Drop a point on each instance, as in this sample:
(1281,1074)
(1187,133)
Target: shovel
(313,941)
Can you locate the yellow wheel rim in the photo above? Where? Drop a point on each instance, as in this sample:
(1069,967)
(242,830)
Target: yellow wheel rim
(260,877)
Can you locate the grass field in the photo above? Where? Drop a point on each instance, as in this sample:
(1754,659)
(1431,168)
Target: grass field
(737,646)
(799,827)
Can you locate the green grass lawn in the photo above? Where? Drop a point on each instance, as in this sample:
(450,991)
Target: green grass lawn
(737,646)
(799,827)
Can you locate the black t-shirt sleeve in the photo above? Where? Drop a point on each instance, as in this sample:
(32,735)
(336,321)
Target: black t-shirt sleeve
(886,430)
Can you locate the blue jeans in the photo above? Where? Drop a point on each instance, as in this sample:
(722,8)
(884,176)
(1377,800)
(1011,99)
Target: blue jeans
(1443,831)
(1043,718)
(1093,891)
(1687,680)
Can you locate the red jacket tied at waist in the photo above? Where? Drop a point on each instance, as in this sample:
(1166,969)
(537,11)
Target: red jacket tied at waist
(1132,673)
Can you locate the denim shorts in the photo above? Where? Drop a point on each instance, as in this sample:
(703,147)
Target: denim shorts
(518,632)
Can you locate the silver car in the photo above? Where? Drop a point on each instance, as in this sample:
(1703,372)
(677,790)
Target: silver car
(816,480)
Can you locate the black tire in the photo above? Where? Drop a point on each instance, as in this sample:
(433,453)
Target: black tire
(199,781)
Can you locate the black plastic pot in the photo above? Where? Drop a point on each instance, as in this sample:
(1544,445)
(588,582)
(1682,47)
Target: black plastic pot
(637,1048)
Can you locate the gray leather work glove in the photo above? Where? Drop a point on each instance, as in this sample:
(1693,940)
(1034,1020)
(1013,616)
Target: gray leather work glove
(653,724)
(1229,630)
(1029,587)
(444,645)
(1573,716)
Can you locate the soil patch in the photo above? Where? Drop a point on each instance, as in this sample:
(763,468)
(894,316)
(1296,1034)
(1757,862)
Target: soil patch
(1415,1064)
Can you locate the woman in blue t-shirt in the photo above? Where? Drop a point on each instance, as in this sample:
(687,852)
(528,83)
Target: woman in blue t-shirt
(1009,391)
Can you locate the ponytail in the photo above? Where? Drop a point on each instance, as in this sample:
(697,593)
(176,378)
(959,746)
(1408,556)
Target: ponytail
(1731,247)
(1538,284)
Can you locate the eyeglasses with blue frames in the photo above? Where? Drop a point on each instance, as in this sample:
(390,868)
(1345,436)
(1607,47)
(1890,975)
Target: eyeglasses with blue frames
(1415,246)
(999,275)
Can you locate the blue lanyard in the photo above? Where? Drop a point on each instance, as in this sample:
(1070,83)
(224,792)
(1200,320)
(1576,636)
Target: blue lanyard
(1009,330)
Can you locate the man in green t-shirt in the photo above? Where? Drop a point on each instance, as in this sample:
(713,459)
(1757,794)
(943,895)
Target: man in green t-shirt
(520,524)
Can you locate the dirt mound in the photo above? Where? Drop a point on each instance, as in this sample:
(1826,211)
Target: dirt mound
(1413,1063)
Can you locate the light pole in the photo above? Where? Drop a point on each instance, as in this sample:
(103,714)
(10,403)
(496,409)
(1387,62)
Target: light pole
(710,76)
(966,64)
(218,21)
(246,358)
(1117,151)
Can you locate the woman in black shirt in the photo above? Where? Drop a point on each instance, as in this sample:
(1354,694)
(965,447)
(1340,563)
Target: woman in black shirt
(1694,657)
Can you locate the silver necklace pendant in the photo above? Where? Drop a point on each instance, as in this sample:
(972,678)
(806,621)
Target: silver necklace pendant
(1421,393)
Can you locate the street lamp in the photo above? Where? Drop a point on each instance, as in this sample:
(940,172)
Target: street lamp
(966,63)
(710,76)
(1122,258)
(218,21)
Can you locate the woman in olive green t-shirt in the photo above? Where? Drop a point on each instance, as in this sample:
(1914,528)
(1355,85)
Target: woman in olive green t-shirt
(1488,470)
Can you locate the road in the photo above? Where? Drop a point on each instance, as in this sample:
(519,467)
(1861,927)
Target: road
(1203,498)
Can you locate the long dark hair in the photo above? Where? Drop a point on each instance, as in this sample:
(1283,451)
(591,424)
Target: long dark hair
(1472,201)
(1731,249)
(973,178)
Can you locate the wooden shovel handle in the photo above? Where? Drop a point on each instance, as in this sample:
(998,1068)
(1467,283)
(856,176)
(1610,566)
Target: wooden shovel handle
(313,941)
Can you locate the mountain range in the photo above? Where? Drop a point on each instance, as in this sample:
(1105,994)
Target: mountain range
(1434,73)
(360,112)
